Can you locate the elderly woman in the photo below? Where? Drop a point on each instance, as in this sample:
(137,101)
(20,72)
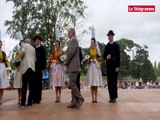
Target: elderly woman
(17,83)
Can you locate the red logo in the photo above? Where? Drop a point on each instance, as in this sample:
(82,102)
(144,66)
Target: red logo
(141,8)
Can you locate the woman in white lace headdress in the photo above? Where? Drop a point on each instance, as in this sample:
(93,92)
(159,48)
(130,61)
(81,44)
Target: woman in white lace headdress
(17,83)
(57,69)
(4,72)
(94,75)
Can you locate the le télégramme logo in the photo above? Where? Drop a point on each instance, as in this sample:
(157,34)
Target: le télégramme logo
(141,8)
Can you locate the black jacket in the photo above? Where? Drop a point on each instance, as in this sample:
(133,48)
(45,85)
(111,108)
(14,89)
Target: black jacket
(41,58)
(80,56)
(114,50)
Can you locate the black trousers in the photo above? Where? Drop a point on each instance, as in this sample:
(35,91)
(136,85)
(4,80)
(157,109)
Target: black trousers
(27,81)
(78,81)
(37,95)
(112,77)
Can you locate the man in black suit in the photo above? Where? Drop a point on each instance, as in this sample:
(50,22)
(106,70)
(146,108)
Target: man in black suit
(40,67)
(112,57)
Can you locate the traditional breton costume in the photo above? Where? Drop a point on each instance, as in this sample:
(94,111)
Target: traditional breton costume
(4,69)
(17,74)
(17,78)
(40,66)
(113,50)
(94,75)
(4,66)
(57,69)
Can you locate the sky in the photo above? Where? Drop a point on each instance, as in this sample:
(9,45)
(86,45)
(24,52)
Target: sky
(104,15)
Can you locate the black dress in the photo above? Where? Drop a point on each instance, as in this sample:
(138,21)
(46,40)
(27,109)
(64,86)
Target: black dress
(111,64)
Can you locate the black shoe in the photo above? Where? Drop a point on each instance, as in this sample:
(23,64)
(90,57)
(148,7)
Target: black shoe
(94,101)
(23,106)
(112,101)
(29,105)
(72,106)
(58,100)
(36,102)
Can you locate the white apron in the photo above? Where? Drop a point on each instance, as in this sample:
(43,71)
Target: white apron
(4,81)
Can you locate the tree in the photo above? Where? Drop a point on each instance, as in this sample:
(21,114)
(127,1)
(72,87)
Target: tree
(157,69)
(125,47)
(43,17)
(141,66)
(147,71)
(135,66)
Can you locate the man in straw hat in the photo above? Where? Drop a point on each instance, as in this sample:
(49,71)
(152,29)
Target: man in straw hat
(27,68)
(112,57)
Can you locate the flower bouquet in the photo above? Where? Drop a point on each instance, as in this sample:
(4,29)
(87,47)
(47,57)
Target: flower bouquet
(17,59)
(87,57)
(62,58)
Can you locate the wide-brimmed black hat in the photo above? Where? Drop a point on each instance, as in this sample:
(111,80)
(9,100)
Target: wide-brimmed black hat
(110,33)
(37,37)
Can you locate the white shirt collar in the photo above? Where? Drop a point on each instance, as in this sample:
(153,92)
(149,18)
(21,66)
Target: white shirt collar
(111,42)
(37,46)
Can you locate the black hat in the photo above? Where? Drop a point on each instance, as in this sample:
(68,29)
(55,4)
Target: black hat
(37,37)
(110,33)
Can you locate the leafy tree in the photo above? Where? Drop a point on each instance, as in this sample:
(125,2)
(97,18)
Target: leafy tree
(103,65)
(43,17)
(133,68)
(136,66)
(157,68)
(125,45)
(147,71)
(141,66)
